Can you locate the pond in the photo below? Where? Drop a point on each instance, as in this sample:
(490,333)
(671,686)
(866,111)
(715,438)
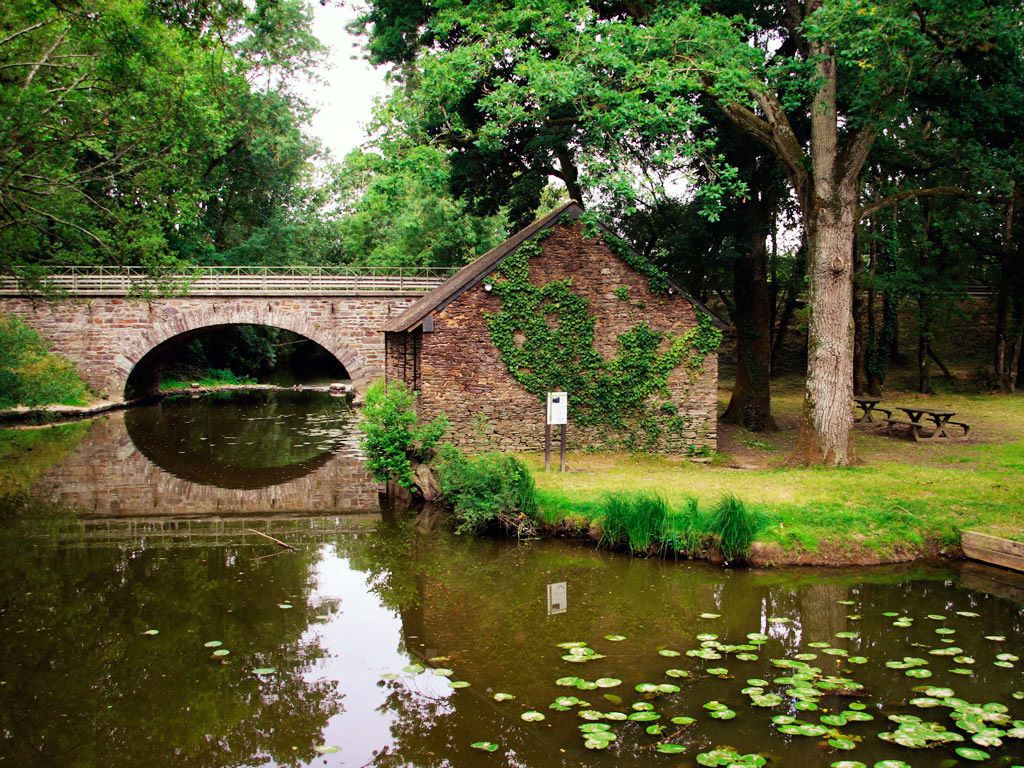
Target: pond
(159,629)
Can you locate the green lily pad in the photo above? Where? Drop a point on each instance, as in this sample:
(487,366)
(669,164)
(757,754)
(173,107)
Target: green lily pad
(442,672)
(857,659)
(607,682)
(668,652)
(722,714)
(569,681)
(412,669)
(590,714)
(718,671)
(918,673)
(264,670)
(683,720)
(486,746)
(221,652)
(572,644)
(891,764)
(655,730)
(503,697)
(213,644)
(643,706)
(459,684)
(841,742)
(285,606)
(836,720)
(970,753)
(151,632)
(848,764)
(325,749)
(615,638)
(994,639)
(670,749)
(532,716)
(847,635)
(643,717)
(711,615)
(677,673)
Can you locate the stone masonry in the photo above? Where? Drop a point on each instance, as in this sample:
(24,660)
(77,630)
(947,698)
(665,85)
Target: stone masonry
(459,372)
(109,336)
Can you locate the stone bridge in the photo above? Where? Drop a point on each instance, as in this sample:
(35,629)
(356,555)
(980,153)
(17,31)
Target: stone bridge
(114,324)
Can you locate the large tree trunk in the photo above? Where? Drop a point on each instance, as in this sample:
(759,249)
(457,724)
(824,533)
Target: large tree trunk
(750,404)
(825,426)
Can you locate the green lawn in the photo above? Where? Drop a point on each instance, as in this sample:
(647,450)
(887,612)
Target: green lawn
(903,500)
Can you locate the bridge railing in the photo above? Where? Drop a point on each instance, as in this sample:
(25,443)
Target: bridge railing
(129,281)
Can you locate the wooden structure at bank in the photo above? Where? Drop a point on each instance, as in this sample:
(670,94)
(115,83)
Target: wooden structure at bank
(562,305)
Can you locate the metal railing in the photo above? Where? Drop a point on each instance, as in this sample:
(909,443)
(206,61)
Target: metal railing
(229,281)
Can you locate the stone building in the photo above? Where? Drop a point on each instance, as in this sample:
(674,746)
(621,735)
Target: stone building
(563,305)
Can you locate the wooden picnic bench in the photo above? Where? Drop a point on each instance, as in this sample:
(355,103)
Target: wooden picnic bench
(918,419)
(867,405)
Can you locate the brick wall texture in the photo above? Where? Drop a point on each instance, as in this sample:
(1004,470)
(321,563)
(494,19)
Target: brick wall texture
(459,372)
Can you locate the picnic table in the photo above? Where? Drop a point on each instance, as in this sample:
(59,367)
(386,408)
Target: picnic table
(919,419)
(867,405)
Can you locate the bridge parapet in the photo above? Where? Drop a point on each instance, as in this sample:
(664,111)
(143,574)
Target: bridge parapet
(233,281)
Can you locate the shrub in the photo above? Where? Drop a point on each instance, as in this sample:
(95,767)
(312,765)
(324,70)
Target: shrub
(685,532)
(636,520)
(492,487)
(30,374)
(734,527)
(392,435)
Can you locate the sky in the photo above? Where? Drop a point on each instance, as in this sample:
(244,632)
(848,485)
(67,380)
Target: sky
(345,99)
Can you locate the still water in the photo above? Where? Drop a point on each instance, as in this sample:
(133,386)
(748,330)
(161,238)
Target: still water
(128,566)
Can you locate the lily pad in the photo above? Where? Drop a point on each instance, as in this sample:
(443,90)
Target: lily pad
(711,615)
(221,652)
(569,681)
(668,652)
(615,638)
(459,684)
(213,643)
(532,716)
(848,764)
(503,697)
(486,746)
(841,742)
(607,682)
(151,632)
(683,720)
(264,670)
(970,753)
(670,749)
(325,749)
(677,673)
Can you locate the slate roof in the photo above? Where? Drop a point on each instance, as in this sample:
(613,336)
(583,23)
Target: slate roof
(477,270)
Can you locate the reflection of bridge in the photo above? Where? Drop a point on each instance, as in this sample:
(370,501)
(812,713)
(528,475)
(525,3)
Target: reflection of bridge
(106,475)
(114,323)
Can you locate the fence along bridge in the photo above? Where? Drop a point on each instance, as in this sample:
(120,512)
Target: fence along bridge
(119,325)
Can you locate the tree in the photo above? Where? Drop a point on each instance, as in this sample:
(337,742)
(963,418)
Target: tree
(116,113)
(815,82)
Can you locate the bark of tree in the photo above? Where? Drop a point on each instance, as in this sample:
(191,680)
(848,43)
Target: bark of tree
(750,404)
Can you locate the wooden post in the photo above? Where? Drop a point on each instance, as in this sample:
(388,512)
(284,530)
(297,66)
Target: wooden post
(563,448)
(547,447)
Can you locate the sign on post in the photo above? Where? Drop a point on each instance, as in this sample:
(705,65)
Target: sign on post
(557,413)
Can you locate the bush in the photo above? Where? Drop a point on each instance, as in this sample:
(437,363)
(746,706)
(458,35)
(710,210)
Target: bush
(734,527)
(685,532)
(30,374)
(637,521)
(489,488)
(392,435)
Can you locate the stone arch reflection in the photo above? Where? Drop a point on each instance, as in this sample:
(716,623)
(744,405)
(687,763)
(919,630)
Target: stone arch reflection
(243,440)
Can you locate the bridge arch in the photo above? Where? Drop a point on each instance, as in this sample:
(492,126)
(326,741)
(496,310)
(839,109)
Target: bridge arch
(139,358)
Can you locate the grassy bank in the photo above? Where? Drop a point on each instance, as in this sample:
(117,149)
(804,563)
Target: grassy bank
(905,500)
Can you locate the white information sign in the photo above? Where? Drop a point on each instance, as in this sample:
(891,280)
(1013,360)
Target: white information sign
(557,602)
(558,408)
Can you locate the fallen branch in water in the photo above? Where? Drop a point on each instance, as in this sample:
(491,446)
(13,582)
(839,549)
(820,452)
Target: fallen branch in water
(276,541)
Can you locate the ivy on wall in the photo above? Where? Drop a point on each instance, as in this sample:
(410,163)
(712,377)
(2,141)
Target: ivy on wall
(545,335)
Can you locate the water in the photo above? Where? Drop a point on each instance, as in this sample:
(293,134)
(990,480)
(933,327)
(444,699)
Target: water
(341,620)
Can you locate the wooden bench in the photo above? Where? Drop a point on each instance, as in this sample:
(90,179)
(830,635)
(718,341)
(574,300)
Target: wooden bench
(915,427)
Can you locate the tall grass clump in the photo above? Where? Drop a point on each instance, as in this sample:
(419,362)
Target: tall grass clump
(685,531)
(734,527)
(635,520)
(485,489)
(32,375)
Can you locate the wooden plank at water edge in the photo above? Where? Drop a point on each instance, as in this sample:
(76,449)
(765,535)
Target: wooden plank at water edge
(994,550)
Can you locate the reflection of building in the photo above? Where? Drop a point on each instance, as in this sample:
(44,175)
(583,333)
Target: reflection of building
(107,475)
(592,301)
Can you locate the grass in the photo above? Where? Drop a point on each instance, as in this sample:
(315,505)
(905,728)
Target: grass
(903,500)
(213,377)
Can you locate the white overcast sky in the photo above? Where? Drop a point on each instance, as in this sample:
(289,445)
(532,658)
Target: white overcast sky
(345,99)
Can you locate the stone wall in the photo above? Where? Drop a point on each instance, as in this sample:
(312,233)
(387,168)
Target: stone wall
(109,337)
(462,375)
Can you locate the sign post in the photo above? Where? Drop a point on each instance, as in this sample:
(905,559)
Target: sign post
(557,413)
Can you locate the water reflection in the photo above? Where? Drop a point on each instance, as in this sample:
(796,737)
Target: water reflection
(86,686)
(239,454)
